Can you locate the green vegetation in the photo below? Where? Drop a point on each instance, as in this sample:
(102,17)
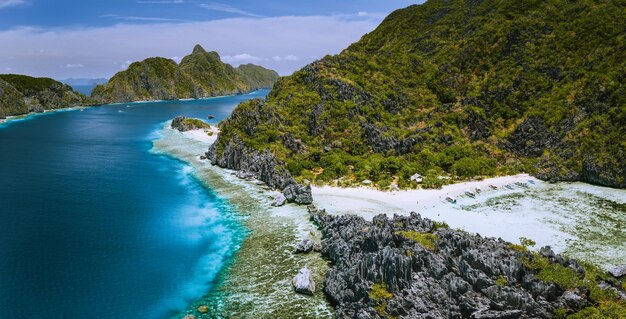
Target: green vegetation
(501,281)
(380,295)
(20,94)
(439,225)
(606,301)
(196,123)
(604,310)
(460,89)
(200,74)
(428,240)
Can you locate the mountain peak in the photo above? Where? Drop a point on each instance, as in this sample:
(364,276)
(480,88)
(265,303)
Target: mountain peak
(198,49)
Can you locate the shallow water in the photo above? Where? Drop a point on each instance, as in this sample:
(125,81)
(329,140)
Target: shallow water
(257,283)
(94,224)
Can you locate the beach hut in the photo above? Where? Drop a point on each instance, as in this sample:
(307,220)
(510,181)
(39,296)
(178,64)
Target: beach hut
(417,178)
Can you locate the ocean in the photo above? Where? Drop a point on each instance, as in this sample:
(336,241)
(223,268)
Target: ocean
(95,224)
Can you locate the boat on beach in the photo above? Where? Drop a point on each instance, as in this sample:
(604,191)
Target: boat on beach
(493,186)
(451,199)
(509,186)
(470,194)
(521,184)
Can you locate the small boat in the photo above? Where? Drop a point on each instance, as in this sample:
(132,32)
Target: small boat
(531,181)
(210,117)
(451,199)
(470,194)
(509,186)
(493,186)
(478,190)
(520,184)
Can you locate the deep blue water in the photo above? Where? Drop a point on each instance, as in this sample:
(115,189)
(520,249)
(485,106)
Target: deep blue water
(95,225)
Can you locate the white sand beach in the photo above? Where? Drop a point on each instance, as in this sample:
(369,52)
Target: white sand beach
(202,135)
(570,217)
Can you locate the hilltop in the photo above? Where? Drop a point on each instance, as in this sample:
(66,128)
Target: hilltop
(200,74)
(453,88)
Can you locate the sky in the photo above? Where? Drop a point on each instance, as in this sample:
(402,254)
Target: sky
(98,38)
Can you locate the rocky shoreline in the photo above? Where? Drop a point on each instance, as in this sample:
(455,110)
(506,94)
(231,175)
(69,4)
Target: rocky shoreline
(261,165)
(412,267)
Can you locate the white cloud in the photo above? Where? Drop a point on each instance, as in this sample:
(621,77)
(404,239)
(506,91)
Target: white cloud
(99,48)
(74,66)
(11,3)
(292,57)
(241,58)
(214,6)
(135,18)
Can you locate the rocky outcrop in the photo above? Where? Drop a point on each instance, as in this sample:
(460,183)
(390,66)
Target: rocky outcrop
(305,246)
(381,271)
(183,124)
(200,74)
(262,165)
(303,283)
(21,94)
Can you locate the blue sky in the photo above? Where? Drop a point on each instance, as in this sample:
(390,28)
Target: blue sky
(95,38)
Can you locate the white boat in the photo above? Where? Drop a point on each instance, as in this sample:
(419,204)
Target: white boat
(531,181)
(493,186)
(470,194)
(509,186)
(451,199)
(520,184)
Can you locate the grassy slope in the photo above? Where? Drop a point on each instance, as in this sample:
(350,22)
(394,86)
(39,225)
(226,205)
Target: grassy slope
(464,87)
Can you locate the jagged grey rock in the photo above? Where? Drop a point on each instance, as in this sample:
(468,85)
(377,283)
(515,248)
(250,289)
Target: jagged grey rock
(262,165)
(464,276)
(305,246)
(618,272)
(303,283)
(279,200)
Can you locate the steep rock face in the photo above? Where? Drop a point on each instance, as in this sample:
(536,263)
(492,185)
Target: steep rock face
(230,151)
(261,165)
(380,270)
(200,74)
(464,87)
(21,94)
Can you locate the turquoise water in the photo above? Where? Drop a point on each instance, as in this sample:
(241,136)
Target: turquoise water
(93,224)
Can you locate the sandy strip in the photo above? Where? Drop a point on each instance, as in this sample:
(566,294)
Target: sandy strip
(431,203)
(202,135)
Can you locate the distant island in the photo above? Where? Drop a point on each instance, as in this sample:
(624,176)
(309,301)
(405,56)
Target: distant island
(21,94)
(199,75)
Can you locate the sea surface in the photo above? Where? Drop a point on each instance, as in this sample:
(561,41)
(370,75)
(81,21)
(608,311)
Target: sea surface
(95,224)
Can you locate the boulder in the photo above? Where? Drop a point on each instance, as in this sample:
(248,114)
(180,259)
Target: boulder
(305,246)
(303,283)
(618,272)
(279,200)
(203,309)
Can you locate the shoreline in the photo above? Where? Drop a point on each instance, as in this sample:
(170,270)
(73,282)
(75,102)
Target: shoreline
(564,215)
(258,278)
(12,118)
(184,99)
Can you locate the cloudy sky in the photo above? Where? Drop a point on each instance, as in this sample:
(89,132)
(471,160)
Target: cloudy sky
(96,38)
